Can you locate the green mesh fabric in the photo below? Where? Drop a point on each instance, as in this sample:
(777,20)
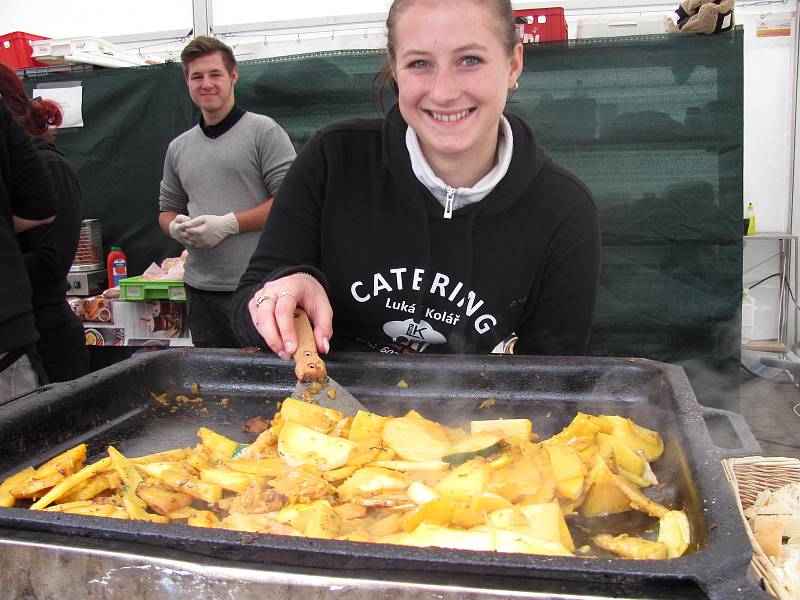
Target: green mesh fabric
(652,124)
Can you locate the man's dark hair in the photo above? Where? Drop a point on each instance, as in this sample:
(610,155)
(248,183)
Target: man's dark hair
(203,45)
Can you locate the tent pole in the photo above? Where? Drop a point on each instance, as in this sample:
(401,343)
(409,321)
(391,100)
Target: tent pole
(202,17)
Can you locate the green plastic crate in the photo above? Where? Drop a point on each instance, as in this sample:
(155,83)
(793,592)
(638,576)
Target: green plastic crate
(136,288)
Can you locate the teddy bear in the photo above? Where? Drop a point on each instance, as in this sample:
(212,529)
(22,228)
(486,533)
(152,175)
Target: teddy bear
(704,16)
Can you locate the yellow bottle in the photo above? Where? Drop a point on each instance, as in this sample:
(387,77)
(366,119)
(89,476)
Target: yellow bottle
(751,219)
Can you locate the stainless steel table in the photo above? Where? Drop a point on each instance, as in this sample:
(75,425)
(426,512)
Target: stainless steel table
(38,566)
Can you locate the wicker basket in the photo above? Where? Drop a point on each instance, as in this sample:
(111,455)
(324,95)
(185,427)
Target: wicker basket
(748,476)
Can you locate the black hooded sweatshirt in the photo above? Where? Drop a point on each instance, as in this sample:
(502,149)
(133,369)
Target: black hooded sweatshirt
(49,251)
(400,276)
(25,191)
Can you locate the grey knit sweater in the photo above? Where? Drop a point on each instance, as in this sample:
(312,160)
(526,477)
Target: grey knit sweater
(235,172)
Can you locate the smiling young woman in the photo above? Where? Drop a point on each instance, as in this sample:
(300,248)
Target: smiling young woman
(442,227)
(452,88)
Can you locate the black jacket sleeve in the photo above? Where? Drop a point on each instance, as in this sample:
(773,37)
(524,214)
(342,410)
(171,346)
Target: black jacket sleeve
(23,172)
(559,320)
(49,250)
(290,240)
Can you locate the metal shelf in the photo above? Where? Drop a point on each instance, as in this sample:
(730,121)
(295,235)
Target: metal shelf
(788,255)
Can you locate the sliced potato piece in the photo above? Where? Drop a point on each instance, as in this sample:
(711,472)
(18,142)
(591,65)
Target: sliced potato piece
(296,515)
(180,480)
(340,473)
(386,526)
(547,521)
(369,481)
(673,532)
(629,546)
(514,541)
(366,426)
(323,521)
(487,502)
(579,434)
(66,506)
(203,518)
(569,470)
(640,482)
(522,428)
(131,480)
(416,438)
(430,534)
(216,445)
(166,456)
(636,437)
(466,480)
(262,445)
(64,464)
(420,493)
(301,445)
(163,501)
(519,478)
(312,416)
(88,489)
(70,482)
(261,523)
(604,496)
(626,458)
(638,500)
(408,465)
(89,508)
(350,511)
(263,467)
(187,512)
(7,499)
(226,479)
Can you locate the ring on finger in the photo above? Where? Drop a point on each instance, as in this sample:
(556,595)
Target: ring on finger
(286,293)
(263,298)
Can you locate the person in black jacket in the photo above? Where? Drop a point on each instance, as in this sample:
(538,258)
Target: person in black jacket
(50,250)
(26,201)
(443,227)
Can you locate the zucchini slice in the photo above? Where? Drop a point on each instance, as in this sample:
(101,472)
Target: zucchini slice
(483,443)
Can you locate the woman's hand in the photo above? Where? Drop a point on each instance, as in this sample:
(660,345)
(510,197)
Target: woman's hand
(272,310)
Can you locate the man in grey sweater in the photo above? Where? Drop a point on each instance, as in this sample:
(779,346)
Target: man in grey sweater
(217,189)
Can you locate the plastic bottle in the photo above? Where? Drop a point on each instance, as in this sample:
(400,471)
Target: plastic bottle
(748,315)
(117,265)
(751,219)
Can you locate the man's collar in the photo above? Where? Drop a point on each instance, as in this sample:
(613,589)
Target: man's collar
(214,131)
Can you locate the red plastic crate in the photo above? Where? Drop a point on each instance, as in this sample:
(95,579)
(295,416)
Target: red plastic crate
(15,50)
(541,25)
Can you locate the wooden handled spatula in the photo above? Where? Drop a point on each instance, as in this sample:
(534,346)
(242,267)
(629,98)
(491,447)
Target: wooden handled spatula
(313,382)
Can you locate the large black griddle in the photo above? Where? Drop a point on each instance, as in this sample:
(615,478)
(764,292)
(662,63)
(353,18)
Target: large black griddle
(115,406)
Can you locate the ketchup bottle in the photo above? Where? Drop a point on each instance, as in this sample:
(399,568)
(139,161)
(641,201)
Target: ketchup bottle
(117,265)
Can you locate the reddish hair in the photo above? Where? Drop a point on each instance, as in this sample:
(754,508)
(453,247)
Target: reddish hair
(38,116)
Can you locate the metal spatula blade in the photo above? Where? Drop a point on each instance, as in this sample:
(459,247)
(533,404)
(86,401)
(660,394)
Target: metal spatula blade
(313,382)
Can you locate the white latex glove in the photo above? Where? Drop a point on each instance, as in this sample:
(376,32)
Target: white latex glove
(206,231)
(177,229)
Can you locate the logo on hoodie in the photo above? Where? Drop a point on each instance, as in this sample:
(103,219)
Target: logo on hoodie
(399,282)
(417,336)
